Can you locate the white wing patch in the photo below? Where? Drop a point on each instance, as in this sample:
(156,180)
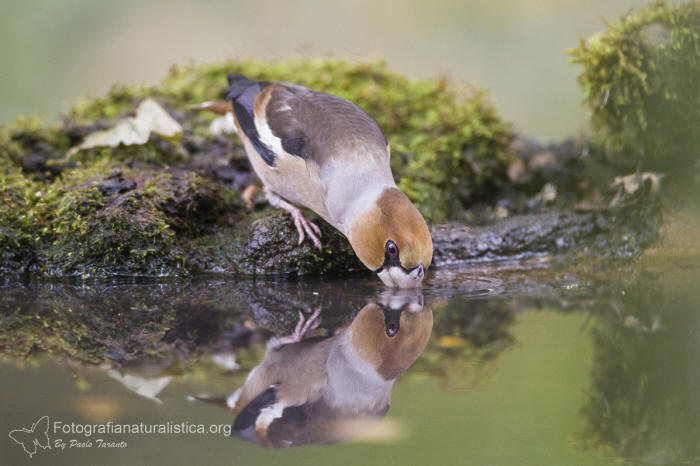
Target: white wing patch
(269,414)
(267,138)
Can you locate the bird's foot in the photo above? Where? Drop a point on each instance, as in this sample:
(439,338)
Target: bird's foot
(303,327)
(304,226)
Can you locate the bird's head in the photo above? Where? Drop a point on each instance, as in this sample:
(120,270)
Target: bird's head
(392,332)
(392,239)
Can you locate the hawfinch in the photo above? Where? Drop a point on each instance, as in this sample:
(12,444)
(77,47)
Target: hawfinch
(326,154)
(326,390)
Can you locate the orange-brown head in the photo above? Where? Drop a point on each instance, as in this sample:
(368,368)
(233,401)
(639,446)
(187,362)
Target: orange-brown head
(392,239)
(391,333)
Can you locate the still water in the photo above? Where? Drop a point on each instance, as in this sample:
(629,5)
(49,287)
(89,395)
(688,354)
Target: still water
(527,363)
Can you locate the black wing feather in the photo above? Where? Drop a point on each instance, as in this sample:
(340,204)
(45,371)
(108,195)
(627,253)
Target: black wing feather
(242,92)
(250,413)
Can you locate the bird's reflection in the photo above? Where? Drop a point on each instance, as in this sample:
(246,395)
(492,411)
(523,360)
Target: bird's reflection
(327,390)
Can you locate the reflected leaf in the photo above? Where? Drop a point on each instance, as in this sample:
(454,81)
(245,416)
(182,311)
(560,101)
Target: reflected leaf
(147,387)
(447,341)
(226,360)
(631,183)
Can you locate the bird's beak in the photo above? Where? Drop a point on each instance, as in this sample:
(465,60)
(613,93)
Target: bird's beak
(394,302)
(392,318)
(398,277)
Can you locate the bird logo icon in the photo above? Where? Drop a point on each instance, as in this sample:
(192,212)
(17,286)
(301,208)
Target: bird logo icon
(36,436)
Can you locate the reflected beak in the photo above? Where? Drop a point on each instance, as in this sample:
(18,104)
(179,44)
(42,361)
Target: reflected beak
(398,277)
(391,321)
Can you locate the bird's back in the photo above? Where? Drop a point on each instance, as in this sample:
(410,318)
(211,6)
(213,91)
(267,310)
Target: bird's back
(318,126)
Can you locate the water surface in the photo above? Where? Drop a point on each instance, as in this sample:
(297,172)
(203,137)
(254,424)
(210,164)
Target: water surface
(527,363)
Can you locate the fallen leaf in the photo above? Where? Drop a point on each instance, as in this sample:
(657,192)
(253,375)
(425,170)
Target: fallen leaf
(548,193)
(631,183)
(150,118)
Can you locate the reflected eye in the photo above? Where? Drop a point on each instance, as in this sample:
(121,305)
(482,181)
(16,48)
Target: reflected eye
(391,249)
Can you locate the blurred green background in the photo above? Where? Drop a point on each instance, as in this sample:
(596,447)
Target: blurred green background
(53,52)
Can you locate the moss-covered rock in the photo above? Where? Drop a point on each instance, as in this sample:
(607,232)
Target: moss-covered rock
(173,222)
(172,206)
(640,79)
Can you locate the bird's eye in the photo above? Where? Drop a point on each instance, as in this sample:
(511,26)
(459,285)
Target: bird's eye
(392,249)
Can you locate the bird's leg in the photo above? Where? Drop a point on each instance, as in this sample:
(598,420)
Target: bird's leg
(300,221)
(247,196)
(303,327)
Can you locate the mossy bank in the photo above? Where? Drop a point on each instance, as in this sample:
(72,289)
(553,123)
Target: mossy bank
(640,81)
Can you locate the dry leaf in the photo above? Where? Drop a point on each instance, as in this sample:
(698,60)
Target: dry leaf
(150,118)
(631,183)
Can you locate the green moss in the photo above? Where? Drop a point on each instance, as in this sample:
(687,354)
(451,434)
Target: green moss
(18,232)
(640,80)
(27,138)
(92,237)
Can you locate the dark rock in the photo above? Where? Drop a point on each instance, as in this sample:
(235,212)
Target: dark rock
(518,236)
(35,163)
(269,246)
(613,232)
(115,184)
(239,336)
(197,324)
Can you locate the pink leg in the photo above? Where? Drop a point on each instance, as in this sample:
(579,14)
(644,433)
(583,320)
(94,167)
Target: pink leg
(303,327)
(300,221)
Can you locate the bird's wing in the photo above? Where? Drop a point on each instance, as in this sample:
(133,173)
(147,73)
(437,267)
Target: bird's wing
(318,126)
(242,92)
(281,119)
(291,376)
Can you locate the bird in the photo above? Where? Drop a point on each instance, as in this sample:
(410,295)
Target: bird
(324,153)
(324,390)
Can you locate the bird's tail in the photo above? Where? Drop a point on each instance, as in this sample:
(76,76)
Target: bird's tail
(241,92)
(237,85)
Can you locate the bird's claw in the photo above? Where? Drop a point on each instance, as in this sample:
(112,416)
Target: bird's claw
(303,327)
(306,227)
